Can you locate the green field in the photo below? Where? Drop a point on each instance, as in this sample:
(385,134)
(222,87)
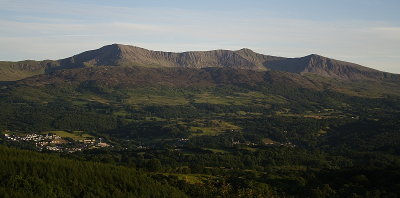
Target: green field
(212,128)
(216,150)
(190,178)
(239,98)
(156,100)
(76,135)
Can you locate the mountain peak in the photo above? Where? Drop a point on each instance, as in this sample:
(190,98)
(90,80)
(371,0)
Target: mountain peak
(246,50)
(127,55)
(314,55)
(124,47)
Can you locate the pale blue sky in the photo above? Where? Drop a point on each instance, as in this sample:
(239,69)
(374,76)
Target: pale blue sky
(361,31)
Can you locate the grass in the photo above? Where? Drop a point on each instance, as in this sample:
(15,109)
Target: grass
(76,135)
(120,112)
(156,100)
(248,98)
(363,88)
(320,115)
(94,98)
(8,72)
(260,97)
(143,97)
(210,131)
(33,94)
(154,118)
(190,178)
(216,150)
(158,96)
(250,149)
(268,141)
(79,102)
(211,128)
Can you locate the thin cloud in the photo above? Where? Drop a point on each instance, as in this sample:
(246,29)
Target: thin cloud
(56,33)
(388,32)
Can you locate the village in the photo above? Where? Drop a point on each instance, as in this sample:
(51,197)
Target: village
(53,142)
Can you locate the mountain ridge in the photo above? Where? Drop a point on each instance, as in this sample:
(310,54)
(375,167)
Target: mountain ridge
(128,56)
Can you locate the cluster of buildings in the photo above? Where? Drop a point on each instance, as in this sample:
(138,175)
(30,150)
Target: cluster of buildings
(53,142)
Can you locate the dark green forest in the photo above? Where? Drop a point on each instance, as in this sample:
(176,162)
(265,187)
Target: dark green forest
(220,140)
(30,174)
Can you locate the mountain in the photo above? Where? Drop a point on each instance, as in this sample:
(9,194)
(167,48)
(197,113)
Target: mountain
(198,124)
(10,71)
(124,55)
(128,56)
(315,64)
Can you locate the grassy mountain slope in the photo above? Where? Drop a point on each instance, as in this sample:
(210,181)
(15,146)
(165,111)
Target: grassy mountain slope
(178,77)
(186,77)
(11,71)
